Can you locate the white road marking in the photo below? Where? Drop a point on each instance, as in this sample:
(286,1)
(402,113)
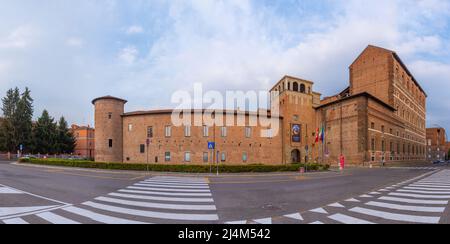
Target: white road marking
(157,205)
(352,200)
(424,192)
(295,216)
(15,221)
(430,186)
(316,223)
(176,187)
(56,219)
(422,188)
(174,183)
(419,196)
(413,201)
(99,217)
(7,190)
(432,183)
(240,222)
(365,196)
(168,199)
(397,217)
(21,210)
(375,193)
(406,207)
(168,193)
(157,215)
(319,210)
(336,205)
(265,221)
(345,219)
(166,190)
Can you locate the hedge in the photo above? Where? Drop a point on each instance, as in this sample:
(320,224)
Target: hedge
(177,168)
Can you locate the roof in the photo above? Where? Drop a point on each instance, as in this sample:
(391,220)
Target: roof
(395,55)
(170,111)
(291,77)
(365,94)
(109,98)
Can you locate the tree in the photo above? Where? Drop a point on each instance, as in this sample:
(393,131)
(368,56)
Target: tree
(45,134)
(22,120)
(65,139)
(10,132)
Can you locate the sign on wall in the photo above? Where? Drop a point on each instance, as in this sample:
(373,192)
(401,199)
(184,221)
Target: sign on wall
(296,133)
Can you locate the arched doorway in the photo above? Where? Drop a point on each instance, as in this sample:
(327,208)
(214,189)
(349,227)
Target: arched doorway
(295,156)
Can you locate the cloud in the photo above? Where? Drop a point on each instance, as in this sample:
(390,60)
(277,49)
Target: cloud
(135,29)
(225,44)
(128,55)
(75,42)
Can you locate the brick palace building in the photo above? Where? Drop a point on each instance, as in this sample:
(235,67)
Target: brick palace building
(437,148)
(379,117)
(85,141)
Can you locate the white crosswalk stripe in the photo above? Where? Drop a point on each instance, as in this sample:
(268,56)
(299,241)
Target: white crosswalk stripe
(421,200)
(156,200)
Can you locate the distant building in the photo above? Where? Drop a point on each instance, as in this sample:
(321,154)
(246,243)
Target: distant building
(85,141)
(437,147)
(380,117)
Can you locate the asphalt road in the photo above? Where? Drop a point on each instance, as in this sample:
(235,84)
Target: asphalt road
(34,194)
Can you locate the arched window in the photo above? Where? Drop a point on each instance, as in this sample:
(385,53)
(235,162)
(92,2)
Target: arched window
(302,88)
(295,88)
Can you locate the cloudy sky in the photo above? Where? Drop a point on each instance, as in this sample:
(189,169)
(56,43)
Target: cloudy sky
(69,52)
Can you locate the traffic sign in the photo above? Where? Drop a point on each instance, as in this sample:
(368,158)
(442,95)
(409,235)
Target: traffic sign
(211,145)
(21,147)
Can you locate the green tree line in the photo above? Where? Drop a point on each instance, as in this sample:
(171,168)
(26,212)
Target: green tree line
(43,136)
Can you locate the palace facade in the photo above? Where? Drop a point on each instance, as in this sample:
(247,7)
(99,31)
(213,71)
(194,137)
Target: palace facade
(380,117)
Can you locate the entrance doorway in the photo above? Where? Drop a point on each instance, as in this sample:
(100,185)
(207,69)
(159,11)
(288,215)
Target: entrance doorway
(295,156)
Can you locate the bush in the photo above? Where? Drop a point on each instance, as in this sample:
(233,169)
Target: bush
(256,168)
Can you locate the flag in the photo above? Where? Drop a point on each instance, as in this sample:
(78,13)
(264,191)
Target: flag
(322,134)
(317,135)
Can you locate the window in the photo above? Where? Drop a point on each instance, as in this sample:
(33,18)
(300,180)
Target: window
(223,131)
(382,128)
(205,157)
(391,131)
(205,131)
(130,127)
(187,157)
(383,146)
(167,157)
(149,132)
(295,87)
(372,145)
(109,115)
(244,157)
(142,148)
(110,143)
(372,125)
(223,157)
(168,131)
(187,131)
(248,132)
(302,88)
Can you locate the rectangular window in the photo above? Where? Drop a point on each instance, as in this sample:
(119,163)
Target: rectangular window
(205,131)
(142,148)
(109,115)
(372,125)
(383,146)
(244,157)
(187,131)
(168,131)
(223,131)
(187,157)
(149,132)
(248,132)
(167,157)
(130,127)
(110,143)
(223,157)
(373,144)
(382,128)
(205,157)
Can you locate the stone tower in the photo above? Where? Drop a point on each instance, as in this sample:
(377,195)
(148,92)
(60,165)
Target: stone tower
(109,129)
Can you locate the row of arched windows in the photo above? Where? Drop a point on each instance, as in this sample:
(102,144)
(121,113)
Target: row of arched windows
(295,86)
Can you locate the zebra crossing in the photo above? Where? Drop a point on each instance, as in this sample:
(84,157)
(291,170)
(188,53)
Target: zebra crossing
(417,168)
(421,200)
(161,200)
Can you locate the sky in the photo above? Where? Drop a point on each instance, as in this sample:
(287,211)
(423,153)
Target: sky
(69,52)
